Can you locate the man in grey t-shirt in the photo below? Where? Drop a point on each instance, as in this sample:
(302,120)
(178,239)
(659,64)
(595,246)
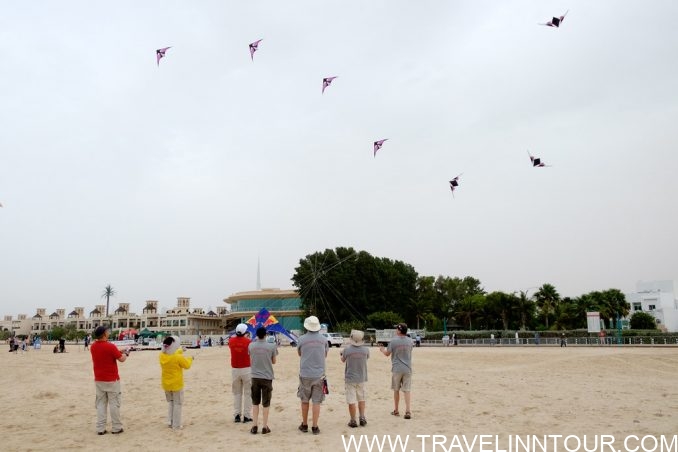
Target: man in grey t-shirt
(312,348)
(355,355)
(262,357)
(400,351)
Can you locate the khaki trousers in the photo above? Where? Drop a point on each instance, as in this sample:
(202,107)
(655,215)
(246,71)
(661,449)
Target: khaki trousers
(108,397)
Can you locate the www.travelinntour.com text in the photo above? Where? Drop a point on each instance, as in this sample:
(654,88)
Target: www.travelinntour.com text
(510,443)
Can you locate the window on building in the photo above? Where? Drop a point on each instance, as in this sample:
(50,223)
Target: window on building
(637,307)
(651,307)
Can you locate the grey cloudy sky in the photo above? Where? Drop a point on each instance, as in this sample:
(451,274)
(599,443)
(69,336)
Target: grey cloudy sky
(171,181)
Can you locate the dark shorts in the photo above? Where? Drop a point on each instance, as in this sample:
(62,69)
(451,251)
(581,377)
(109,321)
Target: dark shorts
(261,391)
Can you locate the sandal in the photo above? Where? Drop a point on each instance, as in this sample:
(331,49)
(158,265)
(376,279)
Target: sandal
(352,423)
(253,430)
(265,430)
(408,415)
(395,413)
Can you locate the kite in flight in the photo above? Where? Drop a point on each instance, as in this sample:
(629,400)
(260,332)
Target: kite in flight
(536,161)
(556,21)
(254,47)
(160,54)
(454,183)
(327,81)
(378,145)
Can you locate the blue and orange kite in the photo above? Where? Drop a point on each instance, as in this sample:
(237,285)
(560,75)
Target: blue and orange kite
(268,321)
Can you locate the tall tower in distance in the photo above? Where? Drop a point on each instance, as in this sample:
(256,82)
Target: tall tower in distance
(258,275)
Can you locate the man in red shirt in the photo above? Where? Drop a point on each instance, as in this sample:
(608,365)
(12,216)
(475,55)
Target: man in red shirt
(241,373)
(105,357)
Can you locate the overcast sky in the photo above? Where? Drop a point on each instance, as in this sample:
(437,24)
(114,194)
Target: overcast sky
(172,181)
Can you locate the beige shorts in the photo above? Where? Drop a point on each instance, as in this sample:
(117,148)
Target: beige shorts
(355,392)
(311,389)
(401,382)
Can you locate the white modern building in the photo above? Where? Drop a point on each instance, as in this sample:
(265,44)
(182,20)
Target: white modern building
(657,298)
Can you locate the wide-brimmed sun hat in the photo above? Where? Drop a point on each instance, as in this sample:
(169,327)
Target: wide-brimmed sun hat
(356,337)
(312,323)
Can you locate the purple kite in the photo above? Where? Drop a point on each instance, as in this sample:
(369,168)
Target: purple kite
(327,81)
(378,145)
(454,183)
(254,47)
(160,53)
(536,162)
(556,21)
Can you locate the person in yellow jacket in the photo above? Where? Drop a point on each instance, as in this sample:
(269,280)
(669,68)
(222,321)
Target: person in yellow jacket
(173,363)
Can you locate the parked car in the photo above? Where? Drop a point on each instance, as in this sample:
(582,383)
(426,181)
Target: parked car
(334,339)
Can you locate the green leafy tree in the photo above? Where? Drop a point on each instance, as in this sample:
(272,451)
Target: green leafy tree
(642,321)
(420,307)
(383,320)
(547,297)
(451,291)
(343,285)
(107,294)
(500,306)
(468,308)
(613,304)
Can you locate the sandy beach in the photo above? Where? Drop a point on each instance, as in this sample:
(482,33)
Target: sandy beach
(48,399)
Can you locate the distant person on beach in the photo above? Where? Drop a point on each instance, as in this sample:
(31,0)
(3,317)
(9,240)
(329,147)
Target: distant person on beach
(536,338)
(241,375)
(355,357)
(172,363)
(262,356)
(563,340)
(62,345)
(87,340)
(105,357)
(400,351)
(312,348)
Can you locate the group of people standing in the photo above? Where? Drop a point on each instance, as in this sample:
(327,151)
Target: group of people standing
(252,374)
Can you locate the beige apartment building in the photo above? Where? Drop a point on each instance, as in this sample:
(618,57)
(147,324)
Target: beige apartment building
(181,319)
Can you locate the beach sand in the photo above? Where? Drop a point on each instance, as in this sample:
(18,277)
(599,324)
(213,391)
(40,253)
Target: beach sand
(47,399)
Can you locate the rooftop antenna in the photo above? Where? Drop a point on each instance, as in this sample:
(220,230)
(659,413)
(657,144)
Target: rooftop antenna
(258,275)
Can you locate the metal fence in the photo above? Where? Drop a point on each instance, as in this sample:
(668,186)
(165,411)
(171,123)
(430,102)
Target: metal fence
(556,341)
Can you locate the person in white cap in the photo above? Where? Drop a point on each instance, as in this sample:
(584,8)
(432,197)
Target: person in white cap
(355,376)
(312,348)
(241,374)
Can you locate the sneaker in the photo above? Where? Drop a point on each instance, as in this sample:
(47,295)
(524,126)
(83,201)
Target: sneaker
(119,431)
(315,430)
(363,421)
(352,423)
(246,419)
(237,418)
(102,433)
(303,428)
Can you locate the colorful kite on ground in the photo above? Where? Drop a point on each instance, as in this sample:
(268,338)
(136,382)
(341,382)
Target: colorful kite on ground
(556,21)
(327,81)
(536,162)
(254,47)
(378,144)
(268,321)
(160,54)
(454,183)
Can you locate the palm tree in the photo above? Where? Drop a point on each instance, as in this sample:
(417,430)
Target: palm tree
(524,305)
(108,293)
(547,296)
